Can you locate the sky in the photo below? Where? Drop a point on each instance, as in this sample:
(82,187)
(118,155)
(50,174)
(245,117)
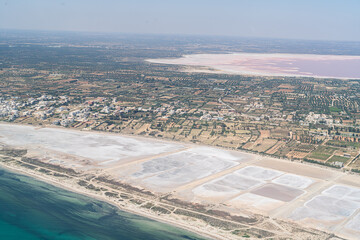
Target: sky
(292,19)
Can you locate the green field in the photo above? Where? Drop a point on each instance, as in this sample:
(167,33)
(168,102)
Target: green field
(343,143)
(325,150)
(334,109)
(322,153)
(319,156)
(338,159)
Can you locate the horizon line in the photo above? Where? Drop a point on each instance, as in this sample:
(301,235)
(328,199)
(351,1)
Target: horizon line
(173,34)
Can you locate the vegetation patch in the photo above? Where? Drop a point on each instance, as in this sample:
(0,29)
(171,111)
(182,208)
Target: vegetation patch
(334,109)
(343,144)
(319,156)
(338,159)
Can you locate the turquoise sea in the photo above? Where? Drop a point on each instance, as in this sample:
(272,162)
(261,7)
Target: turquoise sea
(31,209)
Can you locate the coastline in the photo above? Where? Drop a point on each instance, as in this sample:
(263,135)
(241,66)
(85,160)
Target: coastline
(113,203)
(203,228)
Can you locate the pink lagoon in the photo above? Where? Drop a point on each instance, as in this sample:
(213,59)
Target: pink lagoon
(308,65)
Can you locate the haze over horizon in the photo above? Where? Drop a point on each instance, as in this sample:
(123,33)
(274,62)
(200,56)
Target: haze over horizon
(332,20)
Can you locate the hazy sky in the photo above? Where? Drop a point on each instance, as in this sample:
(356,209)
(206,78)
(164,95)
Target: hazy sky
(300,19)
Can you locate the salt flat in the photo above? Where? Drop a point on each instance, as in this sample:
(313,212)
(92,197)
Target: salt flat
(295,181)
(336,203)
(354,224)
(173,170)
(98,148)
(229,185)
(333,66)
(259,173)
(250,200)
(265,188)
(308,194)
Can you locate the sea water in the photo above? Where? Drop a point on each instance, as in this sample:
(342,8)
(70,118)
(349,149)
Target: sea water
(31,209)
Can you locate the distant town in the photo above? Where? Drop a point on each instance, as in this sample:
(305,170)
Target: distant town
(298,118)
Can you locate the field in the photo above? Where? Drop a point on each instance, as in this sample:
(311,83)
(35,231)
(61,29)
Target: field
(322,153)
(355,164)
(338,159)
(319,156)
(343,144)
(261,145)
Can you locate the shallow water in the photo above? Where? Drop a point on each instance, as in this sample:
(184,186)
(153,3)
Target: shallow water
(30,209)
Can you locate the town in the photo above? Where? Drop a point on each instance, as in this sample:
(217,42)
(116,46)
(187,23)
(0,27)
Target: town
(297,118)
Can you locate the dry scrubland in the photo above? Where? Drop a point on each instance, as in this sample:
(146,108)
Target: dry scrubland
(228,194)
